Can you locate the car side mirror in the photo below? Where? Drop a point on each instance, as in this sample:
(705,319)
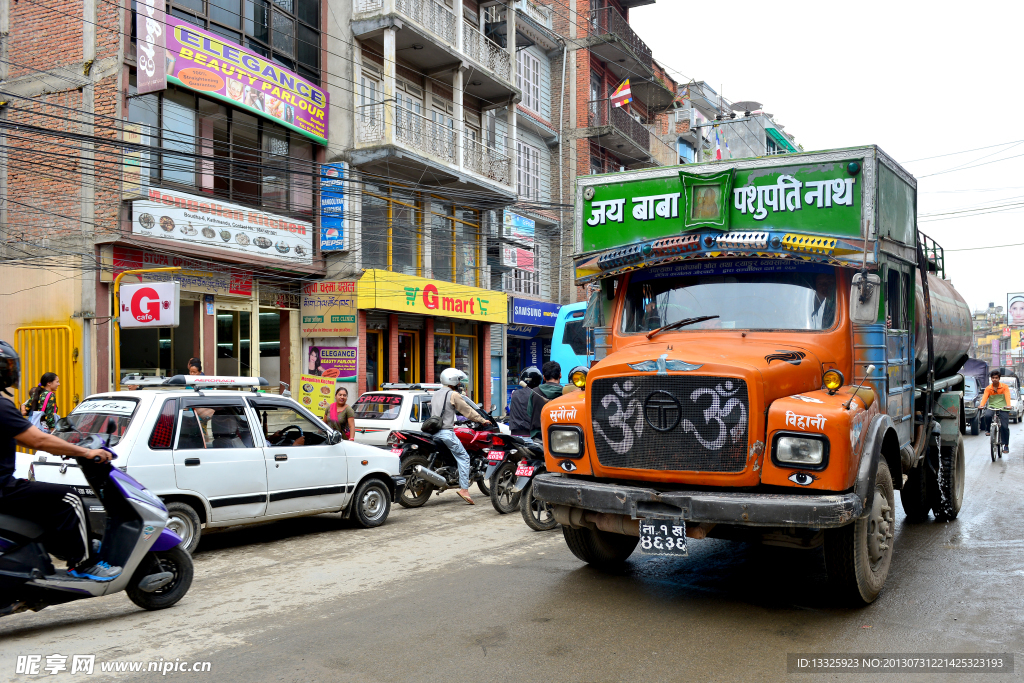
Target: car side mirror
(864,295)
(334,438)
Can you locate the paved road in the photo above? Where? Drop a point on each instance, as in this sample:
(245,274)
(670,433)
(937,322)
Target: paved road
(452,592)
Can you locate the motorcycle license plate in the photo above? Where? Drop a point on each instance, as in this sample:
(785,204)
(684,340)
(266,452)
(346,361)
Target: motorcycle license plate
(663,537)
(524,471)
(396,451)
(495,456)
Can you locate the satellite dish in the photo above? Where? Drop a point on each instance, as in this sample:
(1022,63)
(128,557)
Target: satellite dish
(746,106)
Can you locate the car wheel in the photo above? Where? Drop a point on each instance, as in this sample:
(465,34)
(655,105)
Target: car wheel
(371,504)
(183,520)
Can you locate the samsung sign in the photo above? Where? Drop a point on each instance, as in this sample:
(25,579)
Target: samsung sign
(527,312)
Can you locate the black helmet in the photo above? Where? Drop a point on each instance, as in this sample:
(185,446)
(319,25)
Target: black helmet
(10,367)
(531,378)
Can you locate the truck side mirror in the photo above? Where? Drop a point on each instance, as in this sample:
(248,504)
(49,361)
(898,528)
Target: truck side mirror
(864,294)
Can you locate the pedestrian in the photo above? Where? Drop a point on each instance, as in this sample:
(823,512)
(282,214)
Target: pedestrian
(340,416)
(195,366)
(43,399)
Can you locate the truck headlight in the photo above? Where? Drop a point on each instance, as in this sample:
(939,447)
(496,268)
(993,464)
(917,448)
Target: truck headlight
(566,441)
(810,452)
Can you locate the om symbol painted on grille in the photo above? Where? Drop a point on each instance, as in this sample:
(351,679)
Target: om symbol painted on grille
(716,413)
(632,411)
(662,411)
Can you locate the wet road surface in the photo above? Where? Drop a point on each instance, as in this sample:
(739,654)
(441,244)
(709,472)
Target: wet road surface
(455,592)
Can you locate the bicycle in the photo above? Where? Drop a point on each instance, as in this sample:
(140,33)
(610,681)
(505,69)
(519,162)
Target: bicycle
(995,448)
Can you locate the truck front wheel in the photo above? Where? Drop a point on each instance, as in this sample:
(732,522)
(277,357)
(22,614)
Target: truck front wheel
(600,549)
(857,556)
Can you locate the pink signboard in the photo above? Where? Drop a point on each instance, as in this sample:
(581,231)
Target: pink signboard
(203,61)
(151,55)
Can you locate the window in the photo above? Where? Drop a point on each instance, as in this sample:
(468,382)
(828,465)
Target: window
(575,335)
(391,226)
(206,424)
(528,171)
(420,409)
(284,426)
(528,80)
(455,244)
(224,152)
(284,31)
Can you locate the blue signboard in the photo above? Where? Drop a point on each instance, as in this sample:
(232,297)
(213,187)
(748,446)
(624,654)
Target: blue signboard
(527,312)
(518,227)
(332,206)
(533,354)
(526,331)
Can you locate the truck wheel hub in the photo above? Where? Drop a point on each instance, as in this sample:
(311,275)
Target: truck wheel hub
(880,528)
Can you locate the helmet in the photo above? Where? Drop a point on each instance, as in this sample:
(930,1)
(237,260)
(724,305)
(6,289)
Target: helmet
(531,378)
(453,377)
(10,366)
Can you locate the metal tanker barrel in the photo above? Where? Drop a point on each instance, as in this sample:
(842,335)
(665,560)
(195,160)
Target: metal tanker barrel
(951,328)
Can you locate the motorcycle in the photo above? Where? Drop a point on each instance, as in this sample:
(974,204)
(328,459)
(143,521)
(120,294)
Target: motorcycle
(502,460)
(428,465)
(537,514)
(157,572)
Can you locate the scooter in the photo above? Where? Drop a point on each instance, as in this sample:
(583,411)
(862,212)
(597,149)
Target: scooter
(157,572)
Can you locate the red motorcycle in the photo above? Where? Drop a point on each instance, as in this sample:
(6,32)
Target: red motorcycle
(428,465)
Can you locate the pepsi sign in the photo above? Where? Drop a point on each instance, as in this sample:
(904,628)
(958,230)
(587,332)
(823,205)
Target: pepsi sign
(151,304)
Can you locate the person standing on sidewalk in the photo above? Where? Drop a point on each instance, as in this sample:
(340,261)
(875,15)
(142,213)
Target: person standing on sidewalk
(43,398)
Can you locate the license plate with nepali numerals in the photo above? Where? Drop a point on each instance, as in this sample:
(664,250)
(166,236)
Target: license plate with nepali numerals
(396,451)
(495,456)
(663,537)
(525,471)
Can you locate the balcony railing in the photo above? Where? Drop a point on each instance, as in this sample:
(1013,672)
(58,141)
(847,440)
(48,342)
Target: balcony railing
(602,113)
(432,16)
(485,51)
(369,5)
(434,139)
(487,162)
(608,20)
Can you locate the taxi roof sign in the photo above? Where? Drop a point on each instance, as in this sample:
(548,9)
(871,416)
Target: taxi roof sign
(214,381)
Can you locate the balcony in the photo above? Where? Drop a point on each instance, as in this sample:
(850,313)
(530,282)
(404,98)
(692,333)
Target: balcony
(428,38)
(613,41)
(617,131)
(429,151)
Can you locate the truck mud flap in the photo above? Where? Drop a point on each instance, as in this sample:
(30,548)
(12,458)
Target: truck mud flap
(721,507)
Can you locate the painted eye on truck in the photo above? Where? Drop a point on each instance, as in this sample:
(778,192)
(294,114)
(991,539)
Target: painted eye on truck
(802,478)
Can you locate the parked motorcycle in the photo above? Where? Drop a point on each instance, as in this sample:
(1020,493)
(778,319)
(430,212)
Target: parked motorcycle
(428,465)
(502,460)
(537,514)
(157,572)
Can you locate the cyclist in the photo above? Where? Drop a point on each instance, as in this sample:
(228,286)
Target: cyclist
(997,397)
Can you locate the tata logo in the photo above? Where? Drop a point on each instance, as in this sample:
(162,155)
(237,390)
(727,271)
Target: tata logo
(662,411)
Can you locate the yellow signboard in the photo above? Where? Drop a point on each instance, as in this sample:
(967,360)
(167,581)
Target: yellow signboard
(316,393)
(329,309)
(382,289)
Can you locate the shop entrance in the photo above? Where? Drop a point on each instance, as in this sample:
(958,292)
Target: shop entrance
(408,357)
(163,351)
(376,360)
(234,352)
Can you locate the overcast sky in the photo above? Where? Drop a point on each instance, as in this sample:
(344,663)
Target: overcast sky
(918,79)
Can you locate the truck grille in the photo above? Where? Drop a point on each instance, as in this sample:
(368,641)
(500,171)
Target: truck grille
(658,422)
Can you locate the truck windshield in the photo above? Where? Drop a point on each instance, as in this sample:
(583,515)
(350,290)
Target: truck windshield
(748,295)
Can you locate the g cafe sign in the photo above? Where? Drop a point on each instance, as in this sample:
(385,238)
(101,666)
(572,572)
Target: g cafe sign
(149,305)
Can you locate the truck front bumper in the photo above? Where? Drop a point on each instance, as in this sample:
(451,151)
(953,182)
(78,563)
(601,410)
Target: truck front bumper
(822,511)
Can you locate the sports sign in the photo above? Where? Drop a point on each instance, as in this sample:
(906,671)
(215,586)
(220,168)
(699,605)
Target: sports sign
(152,304)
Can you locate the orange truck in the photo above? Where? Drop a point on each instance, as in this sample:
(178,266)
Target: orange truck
(776,353)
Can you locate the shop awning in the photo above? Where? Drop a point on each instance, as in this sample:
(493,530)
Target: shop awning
(781,139)
(388,291)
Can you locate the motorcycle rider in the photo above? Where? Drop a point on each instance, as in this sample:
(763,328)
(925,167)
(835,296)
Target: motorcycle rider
(549,389)
(520,409)
(56,508)
(443,405)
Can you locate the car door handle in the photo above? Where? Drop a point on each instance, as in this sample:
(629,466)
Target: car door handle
(191,462)
(280,456)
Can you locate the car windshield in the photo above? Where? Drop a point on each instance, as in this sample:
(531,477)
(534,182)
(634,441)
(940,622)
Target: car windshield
(753,294)
(98,416)
(378,406)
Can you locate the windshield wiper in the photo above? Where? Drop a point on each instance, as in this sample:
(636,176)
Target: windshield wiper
(681,323)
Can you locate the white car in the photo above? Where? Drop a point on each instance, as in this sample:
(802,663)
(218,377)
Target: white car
(222,458)
(1018,406)
(396,406)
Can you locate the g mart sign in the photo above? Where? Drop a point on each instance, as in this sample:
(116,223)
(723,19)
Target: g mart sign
(382,289)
